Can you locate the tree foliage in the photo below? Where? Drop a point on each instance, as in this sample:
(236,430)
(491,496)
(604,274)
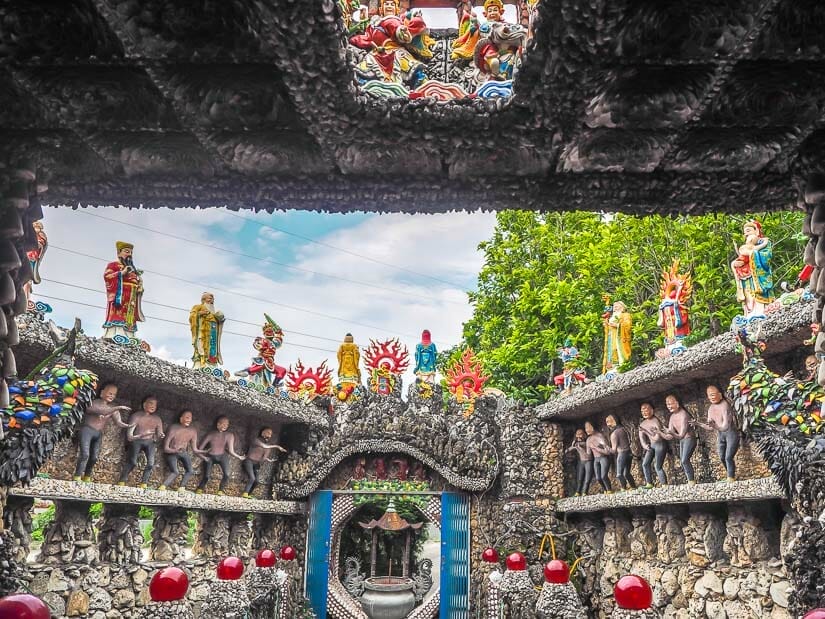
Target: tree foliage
(545,276)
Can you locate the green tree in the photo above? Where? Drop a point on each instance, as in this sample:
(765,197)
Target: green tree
(545,276)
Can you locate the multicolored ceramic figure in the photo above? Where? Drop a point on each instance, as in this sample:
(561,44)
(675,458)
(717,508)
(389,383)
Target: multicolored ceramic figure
(465,380)
(572,374)
(618,325)
(385,361)
(124,292)
(206,325)
(349,360)
(263,371)
(493,47)
(673,318)
(35,256)
(752,271)
(426,357)
(307,383)
(397,44)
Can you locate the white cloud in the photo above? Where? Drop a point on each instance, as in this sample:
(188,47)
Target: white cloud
(442,246)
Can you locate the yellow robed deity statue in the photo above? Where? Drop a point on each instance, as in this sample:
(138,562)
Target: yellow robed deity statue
(206,325)
(618,324)
(349,360)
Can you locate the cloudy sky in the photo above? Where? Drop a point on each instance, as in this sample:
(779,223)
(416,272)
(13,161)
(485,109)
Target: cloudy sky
(318,275)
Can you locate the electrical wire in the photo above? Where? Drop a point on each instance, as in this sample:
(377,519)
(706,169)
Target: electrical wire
(204,286)
(259,258)
(183,309)
(174,322)
(342,250)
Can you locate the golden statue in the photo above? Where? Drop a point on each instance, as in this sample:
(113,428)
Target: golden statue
(206,324)
(349,359)
(618,324)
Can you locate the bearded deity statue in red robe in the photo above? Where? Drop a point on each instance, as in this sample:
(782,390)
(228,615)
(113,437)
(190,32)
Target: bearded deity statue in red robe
(124,292)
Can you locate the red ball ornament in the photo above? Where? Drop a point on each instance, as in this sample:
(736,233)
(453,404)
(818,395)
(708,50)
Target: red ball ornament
(168,585)
(265,558)
(489,555)
(23,606)
(287,553)
(557,572)
(230,568)
(816,613)
(633,593)
(516,562)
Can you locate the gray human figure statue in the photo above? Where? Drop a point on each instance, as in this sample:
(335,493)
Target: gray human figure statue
(620,447)
(90,435)
(722,420)
(680,428)
(179,440)
(146,429)
(600,449)
(654,444)
(584,462)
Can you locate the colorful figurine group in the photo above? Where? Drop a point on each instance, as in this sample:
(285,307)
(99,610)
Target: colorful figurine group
(597,453)
(180,444)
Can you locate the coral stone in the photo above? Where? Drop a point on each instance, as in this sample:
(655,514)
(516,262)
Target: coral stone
(633,593)
(168,585)
(287,553)
(557,572)
(489,555)
(230,568)
(816,613)
(516,562)
(23,606)
(265,558)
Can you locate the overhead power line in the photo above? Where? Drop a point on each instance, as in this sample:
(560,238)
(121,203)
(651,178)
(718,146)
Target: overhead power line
(183,309)
(246,256)
(344,251)
(205,286)
(174,322)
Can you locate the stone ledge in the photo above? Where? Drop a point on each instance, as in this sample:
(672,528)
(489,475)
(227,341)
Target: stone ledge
(718,492)
(57,489)
(704,361)
(109,360)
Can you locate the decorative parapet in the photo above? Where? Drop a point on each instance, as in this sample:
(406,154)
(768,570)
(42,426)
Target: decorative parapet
(108,359)
(461,448)
(57,489)
(704,361)
(719,492)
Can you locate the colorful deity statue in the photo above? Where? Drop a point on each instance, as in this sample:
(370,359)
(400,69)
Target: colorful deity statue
(752,271)
(385,361)
(206,326)
(426,357)
(465,380)
(493,47)
(306,383)
(397,44)
(572,373)
(35,257)
(263,371)
(349,359)
(124,293)
(674,318)
(618,324)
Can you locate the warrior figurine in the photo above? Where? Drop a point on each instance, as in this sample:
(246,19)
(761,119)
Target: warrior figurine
(35,256)
(722,420)
(181,437)
(95,420)
(258,453)
(673,316)
(146,428)
(618,324)
(349,360)
(426,357)
(572,372)
(263,370)
(206,324)
(217,446)
(752,271)
(124,292)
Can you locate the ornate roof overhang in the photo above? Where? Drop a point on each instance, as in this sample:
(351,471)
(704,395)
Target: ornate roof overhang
(644,106)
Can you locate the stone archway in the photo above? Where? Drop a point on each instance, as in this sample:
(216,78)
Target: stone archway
(340,603)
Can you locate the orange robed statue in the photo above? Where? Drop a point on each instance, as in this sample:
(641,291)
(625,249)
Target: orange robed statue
(124,290)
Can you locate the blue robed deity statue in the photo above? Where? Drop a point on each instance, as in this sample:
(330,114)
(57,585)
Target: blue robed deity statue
(752,271)
(425,358)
